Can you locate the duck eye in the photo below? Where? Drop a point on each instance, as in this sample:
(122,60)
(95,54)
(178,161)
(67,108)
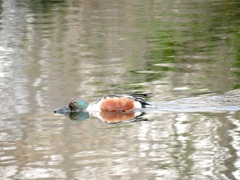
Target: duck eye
(72,105)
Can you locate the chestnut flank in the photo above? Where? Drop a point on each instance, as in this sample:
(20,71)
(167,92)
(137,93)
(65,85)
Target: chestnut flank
(117,104)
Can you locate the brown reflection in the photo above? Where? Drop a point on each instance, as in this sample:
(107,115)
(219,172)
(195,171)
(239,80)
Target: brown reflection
(120,117)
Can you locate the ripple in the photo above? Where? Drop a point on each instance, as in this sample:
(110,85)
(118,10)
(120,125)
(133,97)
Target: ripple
(36,173)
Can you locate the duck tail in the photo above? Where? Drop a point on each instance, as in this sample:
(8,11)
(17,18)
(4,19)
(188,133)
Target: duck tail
(141,95)
(141,98)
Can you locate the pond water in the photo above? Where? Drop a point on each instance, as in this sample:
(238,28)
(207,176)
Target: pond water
(186,53)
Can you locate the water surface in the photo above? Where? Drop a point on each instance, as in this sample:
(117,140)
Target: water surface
(184,52)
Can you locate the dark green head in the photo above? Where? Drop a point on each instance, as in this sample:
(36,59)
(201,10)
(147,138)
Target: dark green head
(78,105)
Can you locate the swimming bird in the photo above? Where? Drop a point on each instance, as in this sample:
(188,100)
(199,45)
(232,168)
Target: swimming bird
(108,103)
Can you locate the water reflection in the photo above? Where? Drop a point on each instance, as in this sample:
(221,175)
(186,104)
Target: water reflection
(107,117)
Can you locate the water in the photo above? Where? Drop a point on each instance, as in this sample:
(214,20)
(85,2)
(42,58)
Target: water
(185,53)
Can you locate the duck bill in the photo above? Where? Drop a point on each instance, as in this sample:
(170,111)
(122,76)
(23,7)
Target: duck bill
(62,110)
(75,116)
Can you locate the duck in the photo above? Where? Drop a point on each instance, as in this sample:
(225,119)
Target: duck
(108,103)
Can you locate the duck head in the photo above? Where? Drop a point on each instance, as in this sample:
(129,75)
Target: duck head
(73,106)
(78,105)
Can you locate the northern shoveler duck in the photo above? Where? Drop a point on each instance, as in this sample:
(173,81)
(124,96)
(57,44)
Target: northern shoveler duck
(109,103)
